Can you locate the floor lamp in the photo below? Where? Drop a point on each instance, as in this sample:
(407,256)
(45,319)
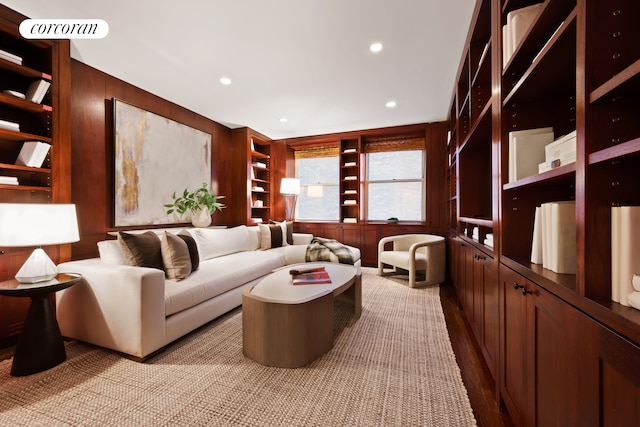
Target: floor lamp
(290,188)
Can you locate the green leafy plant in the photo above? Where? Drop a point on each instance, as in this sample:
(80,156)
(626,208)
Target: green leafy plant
(193,201)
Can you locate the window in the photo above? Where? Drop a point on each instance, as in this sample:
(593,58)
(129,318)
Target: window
(319,173)
(395,185)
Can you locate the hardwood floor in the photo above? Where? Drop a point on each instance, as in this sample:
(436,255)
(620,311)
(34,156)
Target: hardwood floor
(477,380)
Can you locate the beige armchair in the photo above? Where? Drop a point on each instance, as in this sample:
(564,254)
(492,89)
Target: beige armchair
(414,252)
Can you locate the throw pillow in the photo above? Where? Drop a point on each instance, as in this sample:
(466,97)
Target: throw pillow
(272,236)
(111,252)
(141,250)
(193,249)
(175,257)
(287,229)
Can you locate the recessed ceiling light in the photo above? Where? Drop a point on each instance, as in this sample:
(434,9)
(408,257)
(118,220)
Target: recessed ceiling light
(283,120)
(225,80)
(390,104)
(375,47)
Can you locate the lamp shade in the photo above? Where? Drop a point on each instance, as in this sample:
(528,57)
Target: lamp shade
(290,186)
(33,224)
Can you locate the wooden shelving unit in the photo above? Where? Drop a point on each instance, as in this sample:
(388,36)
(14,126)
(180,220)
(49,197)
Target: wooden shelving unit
(48,122)
(260,177)
(350,180)
(576,69)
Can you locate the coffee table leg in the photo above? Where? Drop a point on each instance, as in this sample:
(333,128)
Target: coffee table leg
(40,344)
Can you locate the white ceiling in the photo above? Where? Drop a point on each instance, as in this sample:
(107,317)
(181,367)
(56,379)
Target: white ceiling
(306,60)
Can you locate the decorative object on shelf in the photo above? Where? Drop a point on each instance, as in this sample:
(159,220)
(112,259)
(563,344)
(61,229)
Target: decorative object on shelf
(392,220)
(33,224)
(201,204)
(33,154)
(290,188)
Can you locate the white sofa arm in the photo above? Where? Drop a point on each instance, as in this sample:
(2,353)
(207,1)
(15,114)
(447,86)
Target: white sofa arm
(302,238)
(115,306)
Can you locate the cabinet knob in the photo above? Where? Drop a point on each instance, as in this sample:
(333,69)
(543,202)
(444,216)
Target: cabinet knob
(526,292)
(516,286)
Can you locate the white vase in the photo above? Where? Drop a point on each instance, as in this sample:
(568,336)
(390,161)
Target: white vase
(201,218)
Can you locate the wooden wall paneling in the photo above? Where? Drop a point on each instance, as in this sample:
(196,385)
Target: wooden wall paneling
(436,178)
(92,144)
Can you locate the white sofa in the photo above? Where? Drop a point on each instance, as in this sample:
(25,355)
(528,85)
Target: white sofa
(137,311)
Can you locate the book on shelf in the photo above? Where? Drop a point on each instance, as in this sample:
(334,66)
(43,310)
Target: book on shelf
(349,164)
(560,152)
(260,165)
(625,251)
(350,178)
(5,124)
(37,91)
(256,220)
(350,220)
(349,151)
(10,57)
(350,202)
(33,154)
(257,188)
(554,239)
(8,180)
(310,276)
(526,151)
(350,191)
(518,23)
(14,93)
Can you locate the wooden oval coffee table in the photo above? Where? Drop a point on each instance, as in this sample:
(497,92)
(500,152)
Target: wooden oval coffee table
(289,326)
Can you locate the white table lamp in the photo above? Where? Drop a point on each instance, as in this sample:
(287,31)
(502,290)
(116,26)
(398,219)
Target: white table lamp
(290,188)
(33,224)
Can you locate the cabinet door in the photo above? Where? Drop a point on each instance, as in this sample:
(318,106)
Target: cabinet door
(515,371)
(490,314)
(609,386)
(369,249)
(556,353)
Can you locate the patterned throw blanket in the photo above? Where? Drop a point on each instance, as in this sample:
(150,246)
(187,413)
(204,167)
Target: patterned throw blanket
(328,250)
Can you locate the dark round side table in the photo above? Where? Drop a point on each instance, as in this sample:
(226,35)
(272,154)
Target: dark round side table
(40,344)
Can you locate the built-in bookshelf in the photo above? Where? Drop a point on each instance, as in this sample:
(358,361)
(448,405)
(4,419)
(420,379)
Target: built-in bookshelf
(25,64)
(28,114)
(260,177)
(572,67)
(350,180)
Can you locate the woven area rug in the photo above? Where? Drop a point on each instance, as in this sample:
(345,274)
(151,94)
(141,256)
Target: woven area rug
(392,367)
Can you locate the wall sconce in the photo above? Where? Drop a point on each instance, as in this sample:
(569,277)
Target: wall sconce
(290,188)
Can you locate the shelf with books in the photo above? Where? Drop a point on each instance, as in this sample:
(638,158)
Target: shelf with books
(350,179)
(539,29)
(552,72)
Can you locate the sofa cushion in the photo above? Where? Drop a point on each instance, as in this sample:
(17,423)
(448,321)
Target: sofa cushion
(175,257)
(219,275)
(216,242)
(193,249)
(141,250)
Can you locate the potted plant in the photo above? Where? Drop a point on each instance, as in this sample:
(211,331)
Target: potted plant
(200,203)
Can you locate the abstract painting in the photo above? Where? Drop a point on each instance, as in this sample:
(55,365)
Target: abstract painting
(154,157)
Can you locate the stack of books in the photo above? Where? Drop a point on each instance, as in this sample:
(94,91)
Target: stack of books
(310,276)
(560,152)
(625,253)
(527,151)
(33,154)
(37,91)
(518,22)
(5,124)
(8,180)
(554,237)
(10,57)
